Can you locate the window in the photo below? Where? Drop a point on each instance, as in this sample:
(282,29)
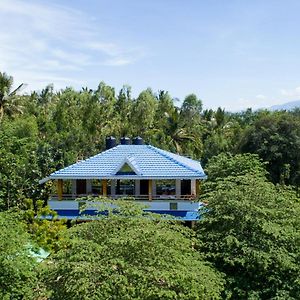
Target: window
(173,205)
(166,188)
(126,170)
(125,187)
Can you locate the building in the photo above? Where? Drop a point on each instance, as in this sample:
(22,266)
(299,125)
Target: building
(167,183)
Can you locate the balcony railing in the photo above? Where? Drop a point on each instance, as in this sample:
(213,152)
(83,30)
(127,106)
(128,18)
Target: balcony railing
(136,197)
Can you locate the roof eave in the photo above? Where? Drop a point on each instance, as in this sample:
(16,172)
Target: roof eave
(135,177)
(44,180)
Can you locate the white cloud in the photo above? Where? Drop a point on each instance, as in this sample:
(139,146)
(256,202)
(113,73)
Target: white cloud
(262,101)
(42,41)
(118,56)
(293,94)
(76,58)
(108,48)
(260,97)
(117,62)
(255,102)
(242,103)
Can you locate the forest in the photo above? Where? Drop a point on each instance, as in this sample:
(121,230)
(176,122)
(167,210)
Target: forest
(246,246)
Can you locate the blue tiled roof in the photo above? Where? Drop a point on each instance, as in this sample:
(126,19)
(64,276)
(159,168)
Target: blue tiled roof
(146,161)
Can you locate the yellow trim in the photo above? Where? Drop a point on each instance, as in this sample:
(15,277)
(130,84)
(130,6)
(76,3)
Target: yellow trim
(104,187)
(150,189)
(60,185)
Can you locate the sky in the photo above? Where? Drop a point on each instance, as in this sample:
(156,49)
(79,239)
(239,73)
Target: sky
(234,54)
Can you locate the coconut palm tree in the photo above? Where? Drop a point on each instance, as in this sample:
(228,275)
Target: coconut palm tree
(9,102)
(179,133)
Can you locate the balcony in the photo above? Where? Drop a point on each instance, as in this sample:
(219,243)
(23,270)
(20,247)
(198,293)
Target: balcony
(163,204)
(135,197)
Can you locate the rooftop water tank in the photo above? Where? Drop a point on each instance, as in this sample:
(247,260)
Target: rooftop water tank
(110,142)
(138,141)
(125,140)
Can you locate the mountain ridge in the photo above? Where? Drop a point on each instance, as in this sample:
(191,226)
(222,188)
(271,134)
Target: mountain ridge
(286,106)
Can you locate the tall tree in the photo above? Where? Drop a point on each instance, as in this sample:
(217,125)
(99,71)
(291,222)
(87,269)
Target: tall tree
(191,108)
(177,132)
(143,113)
(123,108)
(19,169)
(250,230)
(276,139)
(132,258)
(18,270)
(9,102)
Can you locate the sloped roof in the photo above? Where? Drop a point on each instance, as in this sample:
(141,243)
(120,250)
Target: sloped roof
(150,163)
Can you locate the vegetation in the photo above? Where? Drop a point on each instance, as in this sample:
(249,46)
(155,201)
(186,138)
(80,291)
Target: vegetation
(245,247)
(43,226)
(18,273)
(132,258)
(250,231)
(56,129)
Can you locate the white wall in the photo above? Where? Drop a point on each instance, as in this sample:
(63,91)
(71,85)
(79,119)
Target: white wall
(153,205)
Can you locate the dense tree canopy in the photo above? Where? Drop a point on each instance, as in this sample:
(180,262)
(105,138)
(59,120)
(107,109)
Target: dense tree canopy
(132,258)
(251,231)
(275,138)
(18,274)
(59,128)
(247,244)
(9,102)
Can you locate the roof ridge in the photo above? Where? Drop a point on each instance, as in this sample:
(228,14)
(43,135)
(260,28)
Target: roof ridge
(139,158)
(157,150)
(130,160)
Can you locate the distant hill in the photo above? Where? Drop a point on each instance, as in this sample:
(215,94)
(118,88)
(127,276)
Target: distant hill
(286,106)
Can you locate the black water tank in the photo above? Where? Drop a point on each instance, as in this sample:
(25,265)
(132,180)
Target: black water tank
(125,140)
(138,141)
(110,142)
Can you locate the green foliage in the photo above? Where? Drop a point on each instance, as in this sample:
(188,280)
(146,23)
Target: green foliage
(250,231)
(70,125)
(143,113)
(19,170)
(42,224)
(222,132)
(18,274)
(276,139)
(191,109)
(9,101)
(109,208)
(126,257)
(225,165)
(60,128)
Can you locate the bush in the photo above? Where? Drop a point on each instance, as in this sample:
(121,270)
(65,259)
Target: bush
(251,232)
(18,269)
(131,258)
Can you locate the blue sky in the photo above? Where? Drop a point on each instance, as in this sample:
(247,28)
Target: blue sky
(234,53)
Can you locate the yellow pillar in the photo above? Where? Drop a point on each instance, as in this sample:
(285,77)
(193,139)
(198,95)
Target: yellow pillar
(104,187)
(150,189)
(197,187)
(60,189)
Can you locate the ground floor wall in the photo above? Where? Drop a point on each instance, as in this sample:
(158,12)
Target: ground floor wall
(186,210)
